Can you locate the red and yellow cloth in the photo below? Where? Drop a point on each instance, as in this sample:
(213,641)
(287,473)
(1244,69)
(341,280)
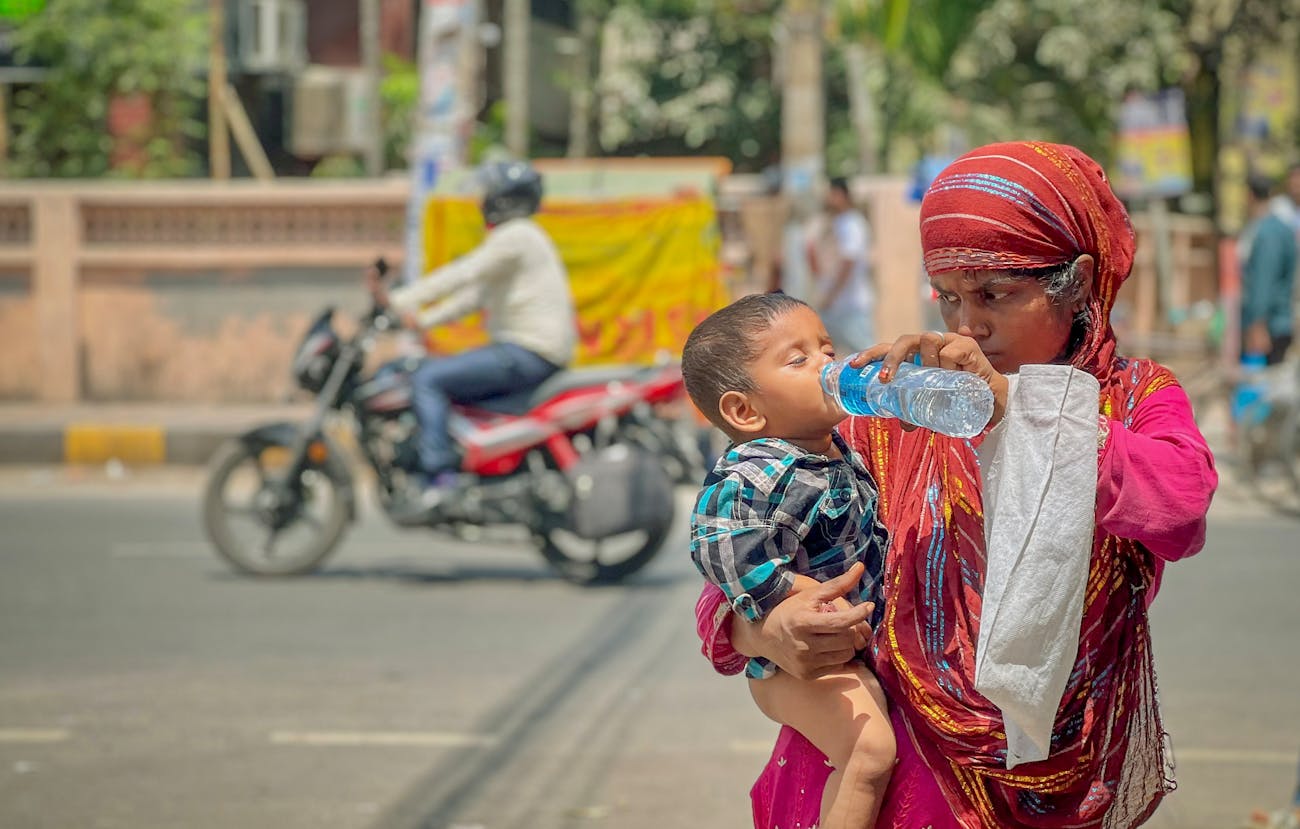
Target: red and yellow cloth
(643,272)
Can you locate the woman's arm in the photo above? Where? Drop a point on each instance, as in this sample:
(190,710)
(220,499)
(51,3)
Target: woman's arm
(1156,477)
(798,635)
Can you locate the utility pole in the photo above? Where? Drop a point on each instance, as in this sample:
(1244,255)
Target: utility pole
(516,22)
(803,105)
(370,63)
(218,138)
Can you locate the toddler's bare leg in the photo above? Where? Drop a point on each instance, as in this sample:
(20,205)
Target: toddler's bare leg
(843,714)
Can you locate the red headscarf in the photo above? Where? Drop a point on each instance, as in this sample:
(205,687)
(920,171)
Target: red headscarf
(1011,206)
(1031,205)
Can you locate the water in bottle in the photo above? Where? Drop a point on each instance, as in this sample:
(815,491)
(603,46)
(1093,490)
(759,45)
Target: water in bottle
(955,403)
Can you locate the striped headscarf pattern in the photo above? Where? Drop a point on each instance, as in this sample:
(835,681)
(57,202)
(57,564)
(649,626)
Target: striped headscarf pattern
(1030,205)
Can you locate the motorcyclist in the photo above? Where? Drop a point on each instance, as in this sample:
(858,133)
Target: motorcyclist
(517,279)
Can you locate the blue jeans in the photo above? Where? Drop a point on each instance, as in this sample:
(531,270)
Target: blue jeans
(470,377)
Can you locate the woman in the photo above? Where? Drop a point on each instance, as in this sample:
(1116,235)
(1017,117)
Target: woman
(1026,246)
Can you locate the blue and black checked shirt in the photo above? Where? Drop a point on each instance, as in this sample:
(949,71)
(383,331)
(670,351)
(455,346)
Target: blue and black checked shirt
(769,510)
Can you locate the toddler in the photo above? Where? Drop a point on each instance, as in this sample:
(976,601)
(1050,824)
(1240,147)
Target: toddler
(788,506)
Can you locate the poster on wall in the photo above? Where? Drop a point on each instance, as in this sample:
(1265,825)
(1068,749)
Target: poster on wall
(1154,153)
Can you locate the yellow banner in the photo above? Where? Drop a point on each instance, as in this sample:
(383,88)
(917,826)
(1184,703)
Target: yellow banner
(643,273)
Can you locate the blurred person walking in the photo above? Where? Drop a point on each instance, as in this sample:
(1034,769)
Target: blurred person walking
(1286,205)
(1267,249)
(842,291)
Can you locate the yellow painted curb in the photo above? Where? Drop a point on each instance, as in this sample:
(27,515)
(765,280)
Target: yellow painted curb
(98,443)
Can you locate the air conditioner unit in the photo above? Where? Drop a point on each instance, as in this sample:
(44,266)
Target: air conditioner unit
(271,35)
(330,112)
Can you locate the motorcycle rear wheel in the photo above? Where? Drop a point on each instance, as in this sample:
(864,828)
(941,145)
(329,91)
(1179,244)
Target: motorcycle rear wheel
(594,559)
(579,560)
(315,488)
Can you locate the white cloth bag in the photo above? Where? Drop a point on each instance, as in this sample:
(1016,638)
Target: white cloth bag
(1039,474)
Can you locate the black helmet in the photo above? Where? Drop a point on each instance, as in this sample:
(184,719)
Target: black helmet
(511,190)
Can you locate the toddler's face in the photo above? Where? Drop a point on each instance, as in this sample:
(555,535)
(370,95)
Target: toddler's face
(787,372)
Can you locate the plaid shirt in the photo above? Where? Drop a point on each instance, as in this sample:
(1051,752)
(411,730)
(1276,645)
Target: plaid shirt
(769,510)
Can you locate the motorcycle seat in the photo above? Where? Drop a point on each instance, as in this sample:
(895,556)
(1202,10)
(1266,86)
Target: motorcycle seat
(558,383)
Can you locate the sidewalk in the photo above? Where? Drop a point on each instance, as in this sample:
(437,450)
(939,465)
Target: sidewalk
(132,433)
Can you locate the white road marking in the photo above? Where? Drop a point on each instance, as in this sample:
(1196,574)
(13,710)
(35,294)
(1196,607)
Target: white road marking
(31,736)
(420,739)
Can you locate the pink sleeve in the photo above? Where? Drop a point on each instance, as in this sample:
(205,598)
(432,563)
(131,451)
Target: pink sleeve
(712,612)
(1156,477)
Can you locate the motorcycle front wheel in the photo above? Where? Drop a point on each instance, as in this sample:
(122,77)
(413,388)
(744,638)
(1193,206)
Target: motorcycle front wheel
(263,526)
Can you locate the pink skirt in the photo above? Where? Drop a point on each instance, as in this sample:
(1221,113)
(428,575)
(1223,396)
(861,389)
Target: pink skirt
(788,793)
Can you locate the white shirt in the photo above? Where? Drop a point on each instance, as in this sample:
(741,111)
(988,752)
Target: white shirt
(852,236)
(516,278)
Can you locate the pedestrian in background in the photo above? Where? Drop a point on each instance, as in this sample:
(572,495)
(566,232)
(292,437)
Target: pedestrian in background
(1287,203)
(842,291)
(1267,249)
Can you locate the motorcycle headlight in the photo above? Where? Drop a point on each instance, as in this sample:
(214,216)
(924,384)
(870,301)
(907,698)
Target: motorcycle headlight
(311,366)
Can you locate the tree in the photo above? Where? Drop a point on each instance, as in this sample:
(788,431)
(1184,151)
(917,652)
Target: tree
(688,77)
(1059,68)
(146,53)
(897,54)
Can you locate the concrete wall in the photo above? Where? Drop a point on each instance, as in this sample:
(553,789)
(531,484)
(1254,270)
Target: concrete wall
(190,291)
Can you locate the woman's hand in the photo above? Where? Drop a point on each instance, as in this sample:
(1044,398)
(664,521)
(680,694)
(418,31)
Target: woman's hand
(801,636)
(938,349)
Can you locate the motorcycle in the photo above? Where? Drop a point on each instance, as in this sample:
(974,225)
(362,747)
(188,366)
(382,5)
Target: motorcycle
(583,463)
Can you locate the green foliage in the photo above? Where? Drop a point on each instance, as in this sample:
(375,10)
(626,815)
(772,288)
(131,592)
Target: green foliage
(96,50)
(399,94)
(489,136)
(338,166)
(694,78)
(1059,68)
(19,9)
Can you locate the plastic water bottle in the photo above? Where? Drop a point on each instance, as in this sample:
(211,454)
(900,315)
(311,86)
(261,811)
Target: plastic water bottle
(1250,404)
(950,402)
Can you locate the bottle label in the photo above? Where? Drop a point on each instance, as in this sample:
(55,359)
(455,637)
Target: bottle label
(869,371)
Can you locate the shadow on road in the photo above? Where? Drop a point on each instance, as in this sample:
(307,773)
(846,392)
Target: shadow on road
(417,575)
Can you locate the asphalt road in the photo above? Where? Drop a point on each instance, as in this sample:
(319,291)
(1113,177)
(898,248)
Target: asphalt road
(417,682)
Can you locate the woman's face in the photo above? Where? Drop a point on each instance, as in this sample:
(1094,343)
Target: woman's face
(1012,318)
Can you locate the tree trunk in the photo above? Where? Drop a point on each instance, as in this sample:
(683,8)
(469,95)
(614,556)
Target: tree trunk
(218,138)
(862,105)
(1202,95)
(370,62)
(516,21)
(803,104)
(580,96)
